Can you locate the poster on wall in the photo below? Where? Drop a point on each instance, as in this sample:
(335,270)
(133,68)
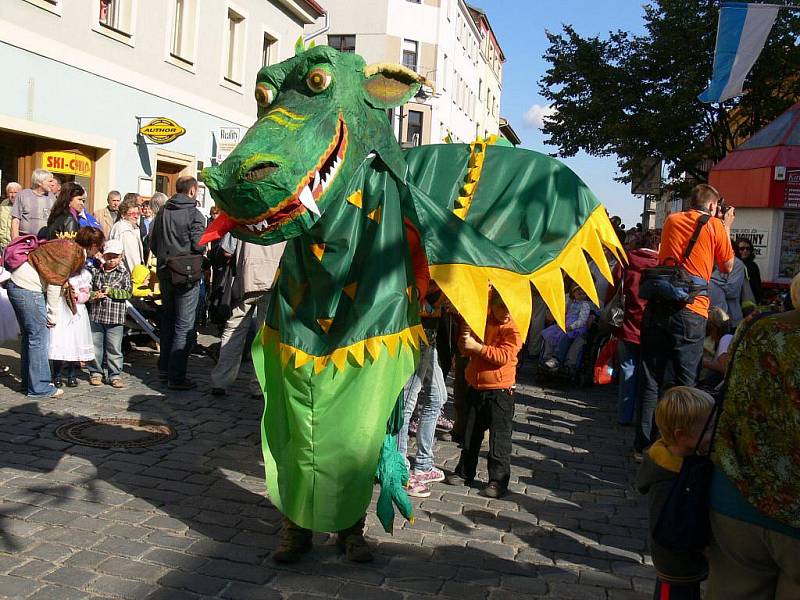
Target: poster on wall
(789,264)
(791,193)
(759,238)
(225,140)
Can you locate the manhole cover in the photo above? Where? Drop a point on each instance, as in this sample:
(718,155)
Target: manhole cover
(115,433)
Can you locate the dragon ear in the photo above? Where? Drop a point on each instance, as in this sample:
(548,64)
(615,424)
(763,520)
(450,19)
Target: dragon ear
(299,46)
(389,85)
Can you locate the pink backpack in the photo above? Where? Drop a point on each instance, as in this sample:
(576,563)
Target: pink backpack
(17,251)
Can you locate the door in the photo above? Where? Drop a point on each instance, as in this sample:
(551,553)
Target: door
(166,175)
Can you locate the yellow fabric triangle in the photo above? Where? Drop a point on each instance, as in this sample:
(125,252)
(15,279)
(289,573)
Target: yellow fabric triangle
(350,290)
(475,160)
(275,279)
(357,352)
(392,342)
(467,287)
(410,293)
(373,346)
(339,358)
(286,354)
(301,358)
(375,215)
(419,332)
(356,199)
(594,247)
(318,250)
(550,283)
(515,290)
(460,212)
(468,189)
(320,362)
(473,174)
(325,324)
(574,265)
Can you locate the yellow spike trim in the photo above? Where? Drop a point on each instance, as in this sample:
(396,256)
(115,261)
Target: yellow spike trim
(325,324)
(356,199)
(350,290)
(375,215)
(318,250)
(466,285)
(411,338)
(473,176)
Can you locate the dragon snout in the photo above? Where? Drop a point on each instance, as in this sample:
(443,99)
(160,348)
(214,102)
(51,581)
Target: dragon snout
(261,171)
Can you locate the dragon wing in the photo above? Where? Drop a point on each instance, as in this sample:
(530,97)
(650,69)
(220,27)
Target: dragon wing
(509,217)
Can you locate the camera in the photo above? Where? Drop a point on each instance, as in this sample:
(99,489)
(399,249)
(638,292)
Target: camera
(722,208)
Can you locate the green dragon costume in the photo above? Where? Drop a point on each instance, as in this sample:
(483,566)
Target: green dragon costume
(321,169)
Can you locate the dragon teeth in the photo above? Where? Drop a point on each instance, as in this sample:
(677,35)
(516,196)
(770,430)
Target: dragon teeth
(316,181)
(258,227)
(307,200)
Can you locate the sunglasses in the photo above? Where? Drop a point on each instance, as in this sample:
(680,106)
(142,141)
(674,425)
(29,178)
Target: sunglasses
(743,248)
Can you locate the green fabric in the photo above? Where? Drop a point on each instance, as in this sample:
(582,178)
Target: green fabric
(526,206)
(323,434)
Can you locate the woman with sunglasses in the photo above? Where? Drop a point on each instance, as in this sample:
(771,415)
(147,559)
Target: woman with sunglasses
(744,252)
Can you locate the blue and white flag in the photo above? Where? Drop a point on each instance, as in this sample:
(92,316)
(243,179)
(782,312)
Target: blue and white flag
(743,30)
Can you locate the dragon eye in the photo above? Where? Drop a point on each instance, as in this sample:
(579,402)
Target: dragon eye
(318,80)
(264,95)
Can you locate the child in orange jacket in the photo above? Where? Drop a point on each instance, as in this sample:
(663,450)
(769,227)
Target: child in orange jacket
(491,376)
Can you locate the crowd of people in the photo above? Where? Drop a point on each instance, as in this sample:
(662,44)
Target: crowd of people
(700,369)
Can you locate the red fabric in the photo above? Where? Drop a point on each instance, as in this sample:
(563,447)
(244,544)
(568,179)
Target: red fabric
(495,368)
(221,225)
(422,274)
(638,261)
(664,589)
(604,366)
(713,247)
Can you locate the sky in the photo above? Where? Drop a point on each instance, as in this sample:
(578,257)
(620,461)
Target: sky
(520,27)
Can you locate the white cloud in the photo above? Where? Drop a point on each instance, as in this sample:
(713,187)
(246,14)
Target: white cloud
(535,115)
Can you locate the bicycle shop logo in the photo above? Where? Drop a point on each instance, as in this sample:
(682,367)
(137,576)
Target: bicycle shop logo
(160,130)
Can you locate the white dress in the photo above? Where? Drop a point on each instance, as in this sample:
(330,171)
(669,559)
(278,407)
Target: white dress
(9,329)
(71,338)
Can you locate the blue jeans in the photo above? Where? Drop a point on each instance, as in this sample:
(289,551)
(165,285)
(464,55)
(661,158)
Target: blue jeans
(107,350)
(671,352)
(628,356)
(31,312)
(428,375)
(178,326)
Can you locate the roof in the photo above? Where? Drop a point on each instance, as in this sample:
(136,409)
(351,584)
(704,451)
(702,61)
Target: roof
(776,144)
(315,7)
(508,132)
(478,14)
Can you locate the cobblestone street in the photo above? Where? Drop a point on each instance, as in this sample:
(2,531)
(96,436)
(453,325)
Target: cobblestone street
(188,518)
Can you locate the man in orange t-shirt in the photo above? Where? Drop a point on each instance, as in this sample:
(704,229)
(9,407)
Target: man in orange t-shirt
(672,335)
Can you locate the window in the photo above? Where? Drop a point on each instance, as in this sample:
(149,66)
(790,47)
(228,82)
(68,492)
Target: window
(414,1)
(183,34)
(480,90)
(52,6)
(343,43)
(410,54)
(116,15)
(268,50)
(444,72)
(790,245)
(235,48)
(414,132)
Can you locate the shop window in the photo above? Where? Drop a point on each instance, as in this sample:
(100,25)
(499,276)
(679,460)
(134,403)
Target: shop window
(116,15)
(410,54)
(789,265)
(343,43)
(234,71)
(184,31)
(414,131)
(268,50)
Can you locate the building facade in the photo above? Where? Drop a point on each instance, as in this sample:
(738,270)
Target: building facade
(105,93)
(446,41)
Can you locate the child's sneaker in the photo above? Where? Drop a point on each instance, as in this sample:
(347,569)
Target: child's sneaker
(417,489)
(444,424)
(427,477)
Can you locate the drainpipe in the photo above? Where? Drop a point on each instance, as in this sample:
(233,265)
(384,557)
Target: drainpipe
(325,27)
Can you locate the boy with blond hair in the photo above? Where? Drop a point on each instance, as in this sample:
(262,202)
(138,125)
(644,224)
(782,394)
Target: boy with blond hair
(681,416)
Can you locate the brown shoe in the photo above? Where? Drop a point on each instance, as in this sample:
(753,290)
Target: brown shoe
(295,542)
(96,379)
(351,541)
(117,383)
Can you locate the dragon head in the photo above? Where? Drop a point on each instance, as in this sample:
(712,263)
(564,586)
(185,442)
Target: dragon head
(320,114)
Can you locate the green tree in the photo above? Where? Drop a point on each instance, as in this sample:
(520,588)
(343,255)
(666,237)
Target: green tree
(636,96)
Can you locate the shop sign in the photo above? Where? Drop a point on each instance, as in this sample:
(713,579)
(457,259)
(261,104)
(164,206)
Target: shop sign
(791,193)
(226,138)
(161,130)
(759,238)
(69,163)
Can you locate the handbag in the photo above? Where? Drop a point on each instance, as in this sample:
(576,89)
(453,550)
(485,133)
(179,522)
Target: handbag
(221,300)
(614,311)
(672,283)
(185,269)
(683,524)
(17,251)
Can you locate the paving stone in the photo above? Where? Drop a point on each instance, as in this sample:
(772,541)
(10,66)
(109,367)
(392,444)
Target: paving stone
(57,592)
(119,587)
(246,591)
(131,569)
(17,587)
(193,582)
